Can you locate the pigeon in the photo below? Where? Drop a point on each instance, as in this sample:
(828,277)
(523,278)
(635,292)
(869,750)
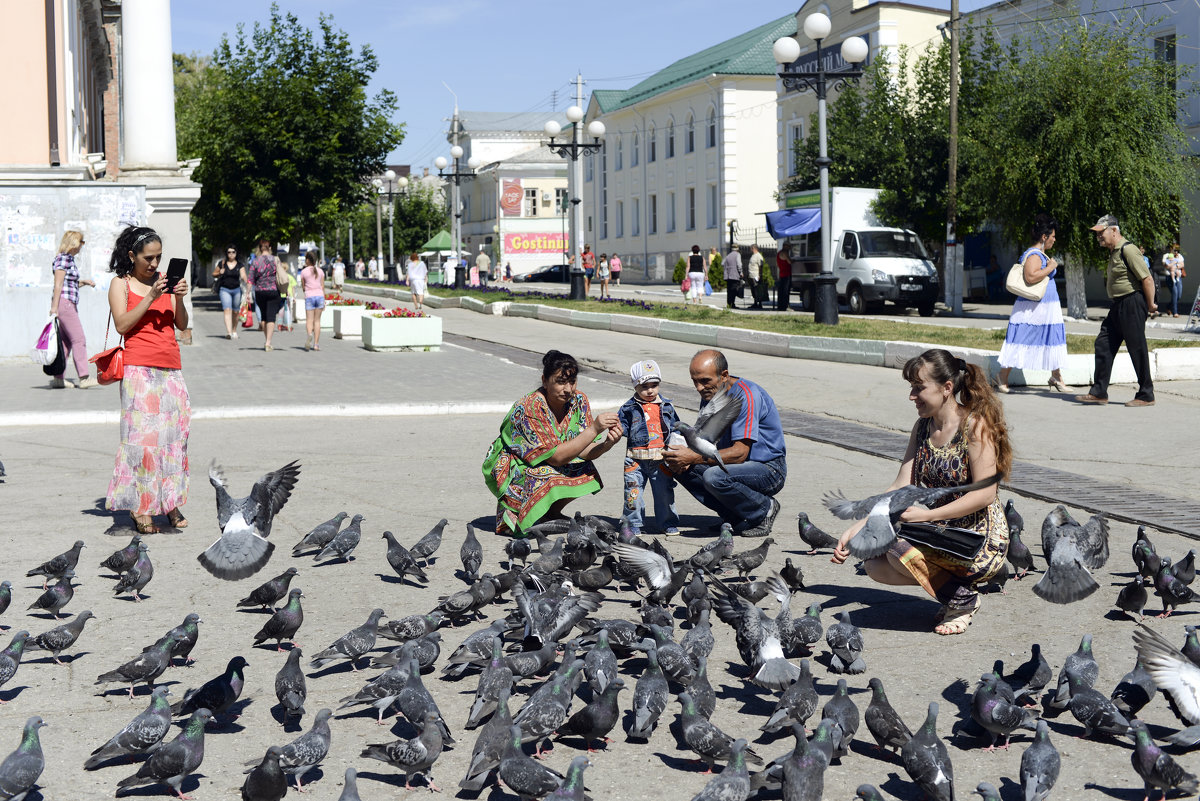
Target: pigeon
(815,537)
(572,788)
(987,792)
(868,792)
(595,720)
(186,634)
(270,593)
(1172,591)
(996,715)
(267,781)
(216,695)
(416,756)
(140,735)
(792,575)
(1019,555)
(352,644)
(747,561)
(1072,551)
(713,553)
(759,637)
(1132,599)
(21,769)
(58,596)
(699,639)
(344,542)
(428,545)
(927,762)
(495,677)
(306,751)
(146,666)
(320,536)
(804,772)
(1094,711)
(171,763)
(290,687)
(242,549)
(842,711)
(471,554)
(695,593)
(5,597)
(600,664)
(883,721)
(1172,672)
(382,691)
(1015,521)
(883,512)
(1191,645)
(518,549)
(1155,766)
(522,774)
(547,708)
(135,579)
(676,665)
(1134,690)
(1184,569)
(1031,677)
(731,784)
(284,624)
(60,638)
(401,559)
(846,642)
(704,738)
(530,663)
(796,704)
(649,695)
(412,627)
(427,650)
(805,630)
(55,567)
(1147,561)
(657,569)
(1080,664)
(414,700)
(1039,765)
(696,441)
(490,746)
(350,786)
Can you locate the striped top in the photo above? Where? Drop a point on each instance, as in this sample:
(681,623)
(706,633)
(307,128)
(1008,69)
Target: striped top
(758,424)
(70,287)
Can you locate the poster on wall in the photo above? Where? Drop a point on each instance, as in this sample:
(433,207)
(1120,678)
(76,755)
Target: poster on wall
(517,244)
(512,196)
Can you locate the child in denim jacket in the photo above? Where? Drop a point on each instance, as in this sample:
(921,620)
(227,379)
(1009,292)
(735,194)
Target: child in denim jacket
(648,420)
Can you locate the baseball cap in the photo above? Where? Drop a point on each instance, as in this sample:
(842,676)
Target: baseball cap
(1107,221)
(644,371)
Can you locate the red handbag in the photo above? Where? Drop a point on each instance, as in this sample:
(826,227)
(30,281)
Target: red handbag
(110,363)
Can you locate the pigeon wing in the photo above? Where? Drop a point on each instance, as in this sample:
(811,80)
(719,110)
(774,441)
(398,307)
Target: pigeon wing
(846,509)
(270,493)
(1172,672)
(652,566)
(225,503)
(1094,542)
(718,415)
(237,554)
(876,536)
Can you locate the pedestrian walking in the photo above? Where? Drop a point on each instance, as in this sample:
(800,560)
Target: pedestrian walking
(697,275)
(64,304)
(1130,288)
(603,274)
(484,262)
(264,284)
(1176,272)
(508,271)
(733,277)
(614,267)
(588,261)
(339,273)
(418,274)
(150,476)
(783,286)
(230,274)
(1036,338)
(312,281)
(358,268)
(373,268)
(754,278)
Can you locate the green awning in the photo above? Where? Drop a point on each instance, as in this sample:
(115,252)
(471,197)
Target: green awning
(440,242)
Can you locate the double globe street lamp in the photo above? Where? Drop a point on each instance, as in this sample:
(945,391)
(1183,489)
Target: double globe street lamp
(473,163)
(573,150)
(390,269)
(800,78)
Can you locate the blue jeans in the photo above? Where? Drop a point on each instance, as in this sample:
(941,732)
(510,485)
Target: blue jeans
(231,298)
(662,486)
(1176,294)
(742,497)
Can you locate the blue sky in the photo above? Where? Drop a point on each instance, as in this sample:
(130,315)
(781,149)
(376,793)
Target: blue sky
(497,55)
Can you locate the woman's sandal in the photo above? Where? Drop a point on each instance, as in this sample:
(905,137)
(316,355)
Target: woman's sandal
(145,525)
(956,621)
(176,519)
(1057,386)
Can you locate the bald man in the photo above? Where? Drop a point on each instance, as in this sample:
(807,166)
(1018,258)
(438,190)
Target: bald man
(752,449)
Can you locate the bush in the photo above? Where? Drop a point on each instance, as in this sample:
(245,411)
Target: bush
(716,273)
(680,271)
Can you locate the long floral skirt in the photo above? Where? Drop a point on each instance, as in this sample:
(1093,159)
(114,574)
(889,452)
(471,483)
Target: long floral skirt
(151,472)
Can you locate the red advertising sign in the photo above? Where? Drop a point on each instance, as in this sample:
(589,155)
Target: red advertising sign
(511,198)
(535,243)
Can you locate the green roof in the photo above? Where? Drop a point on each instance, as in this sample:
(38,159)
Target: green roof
(746,54)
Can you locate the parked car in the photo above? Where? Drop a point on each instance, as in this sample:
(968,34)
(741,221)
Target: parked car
(555,273)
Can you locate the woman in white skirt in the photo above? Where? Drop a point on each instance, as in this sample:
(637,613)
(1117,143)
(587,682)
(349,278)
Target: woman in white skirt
(1036,338)
(417,274)
(697,272)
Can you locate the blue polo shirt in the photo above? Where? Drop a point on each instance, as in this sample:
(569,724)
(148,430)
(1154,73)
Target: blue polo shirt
(758,423)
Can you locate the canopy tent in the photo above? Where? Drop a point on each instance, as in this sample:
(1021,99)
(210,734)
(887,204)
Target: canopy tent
(441,241)
(792,222)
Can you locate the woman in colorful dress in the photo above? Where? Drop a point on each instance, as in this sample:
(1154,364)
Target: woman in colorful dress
(264,283)
(64,304)
(1036,338)
(543,457)
(960,437)
(151,473)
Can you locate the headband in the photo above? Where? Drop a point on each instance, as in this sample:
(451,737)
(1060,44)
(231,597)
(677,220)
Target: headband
(149,233)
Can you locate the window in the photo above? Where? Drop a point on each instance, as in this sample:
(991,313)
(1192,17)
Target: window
(712,128)
(620,218)
(670,212)
(619,158)
(531,203)
(689,213)
(633,150)
(652,215)
(651,146)
(671,141)
(689,135)
(795,142)
(712,206)
(560,201)
(589,167)
(635,219)
(1164,53)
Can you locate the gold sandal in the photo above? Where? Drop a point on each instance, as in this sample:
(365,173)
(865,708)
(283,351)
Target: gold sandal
(956,622)
(176,519)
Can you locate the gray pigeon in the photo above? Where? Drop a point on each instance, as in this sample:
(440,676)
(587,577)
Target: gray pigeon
(146,666)
(21,769)
(658,570)
(595,720)
(522,774)
(748,561)
(701,691)
(495,677)
(804,773)
(987,792)
(842,711)
(547,708)
(401,559)
(883,512)
(1029,679)
(1155,766)
(883,721)
(815,537)
(217,694)
(352,644)
(350,787)
(1167,586)
(290,687)
(1134,690)
(649,695)
(796,704)
(140,735)
(792,575)
(1094,711)
(713,553)
(60,638)
(703,737)
(927,761)
(676,665)
(995,714)
(600,664)
(805,630)
(5,597)
(56,566)
(320,536)
(267,781)
(695,440)
(284,624)
(572,788)
(306,751)
(272,592)
(416,756)
(490,746)
(135,579)
(1019,555)
(731,784)
(344,542)
(1081,665)
(382,691)
(846,643)
(1073,551)
(186,635)
(412,627)
(699,639)
(759,637)
(1132,599)
(122,559)
(427,546)
(1039,765)
(171,763)
(414,701)
(427,649)
(58,596)
(242,549)
(471,554)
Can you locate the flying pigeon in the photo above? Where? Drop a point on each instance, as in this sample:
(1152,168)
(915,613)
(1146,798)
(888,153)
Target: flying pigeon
(60,638)
(140,735)
(242,549)
(171,763)
(1174,673)
(55,567)
(20,770)
(320,536)
(1073,551)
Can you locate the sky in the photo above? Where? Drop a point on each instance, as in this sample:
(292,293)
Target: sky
(496,55)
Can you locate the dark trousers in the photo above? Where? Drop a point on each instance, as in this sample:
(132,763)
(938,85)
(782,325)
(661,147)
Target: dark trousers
(783,293)
(1126,322)
(755,288)
(731,292)
(741,496)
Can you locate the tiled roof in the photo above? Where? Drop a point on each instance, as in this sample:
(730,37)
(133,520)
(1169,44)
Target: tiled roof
(507,121)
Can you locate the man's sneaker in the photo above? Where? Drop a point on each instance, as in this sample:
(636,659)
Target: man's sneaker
(58,383)
(88,383)
(763,528)
(671,532)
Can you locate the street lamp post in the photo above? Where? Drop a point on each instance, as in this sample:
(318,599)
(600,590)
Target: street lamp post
(401,192)
(460,270)
(378,184)
(786,52)
(390,175)
(573,150)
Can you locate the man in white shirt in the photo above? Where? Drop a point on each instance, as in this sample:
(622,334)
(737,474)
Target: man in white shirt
(484,263)
(754,277)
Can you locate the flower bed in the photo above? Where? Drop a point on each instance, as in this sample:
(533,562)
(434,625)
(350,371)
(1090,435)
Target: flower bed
(401,329)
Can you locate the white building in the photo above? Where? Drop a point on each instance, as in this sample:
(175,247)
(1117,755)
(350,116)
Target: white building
(687,151)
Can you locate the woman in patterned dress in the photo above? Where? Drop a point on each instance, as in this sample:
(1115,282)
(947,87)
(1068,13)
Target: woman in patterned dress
(960,437)
(543,456)
(1036,338)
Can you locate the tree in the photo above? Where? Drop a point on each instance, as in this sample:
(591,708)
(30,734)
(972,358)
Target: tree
(1086,124)
(420,214)
(286,132)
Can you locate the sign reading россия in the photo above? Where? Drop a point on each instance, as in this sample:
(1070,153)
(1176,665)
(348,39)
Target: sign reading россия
(535,243)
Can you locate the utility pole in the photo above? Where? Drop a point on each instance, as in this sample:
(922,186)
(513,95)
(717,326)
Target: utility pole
(952,264)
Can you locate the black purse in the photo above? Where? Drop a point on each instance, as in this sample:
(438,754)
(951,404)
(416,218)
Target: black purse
(963,543)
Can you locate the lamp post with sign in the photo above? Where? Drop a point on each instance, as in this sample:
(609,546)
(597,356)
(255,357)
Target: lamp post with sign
(573,150)
(854,51)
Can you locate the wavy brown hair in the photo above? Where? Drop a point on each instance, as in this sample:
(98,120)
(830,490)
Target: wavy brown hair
(973,391)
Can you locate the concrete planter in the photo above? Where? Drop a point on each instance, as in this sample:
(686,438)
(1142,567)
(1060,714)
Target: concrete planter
(330,308)
(347,320)
(401,333)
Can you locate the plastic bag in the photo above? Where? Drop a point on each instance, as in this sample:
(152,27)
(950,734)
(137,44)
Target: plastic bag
(685,285)
(707,287)
(46,348)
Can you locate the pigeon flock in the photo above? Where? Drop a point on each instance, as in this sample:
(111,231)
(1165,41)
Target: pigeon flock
(585,655)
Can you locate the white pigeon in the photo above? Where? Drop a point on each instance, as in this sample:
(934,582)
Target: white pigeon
(242,549)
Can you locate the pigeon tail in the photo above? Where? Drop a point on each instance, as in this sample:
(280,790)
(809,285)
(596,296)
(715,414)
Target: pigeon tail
(776,674)
(1065,583)
(237,554)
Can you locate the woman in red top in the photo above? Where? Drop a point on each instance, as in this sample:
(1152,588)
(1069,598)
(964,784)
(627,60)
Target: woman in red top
(151,473)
